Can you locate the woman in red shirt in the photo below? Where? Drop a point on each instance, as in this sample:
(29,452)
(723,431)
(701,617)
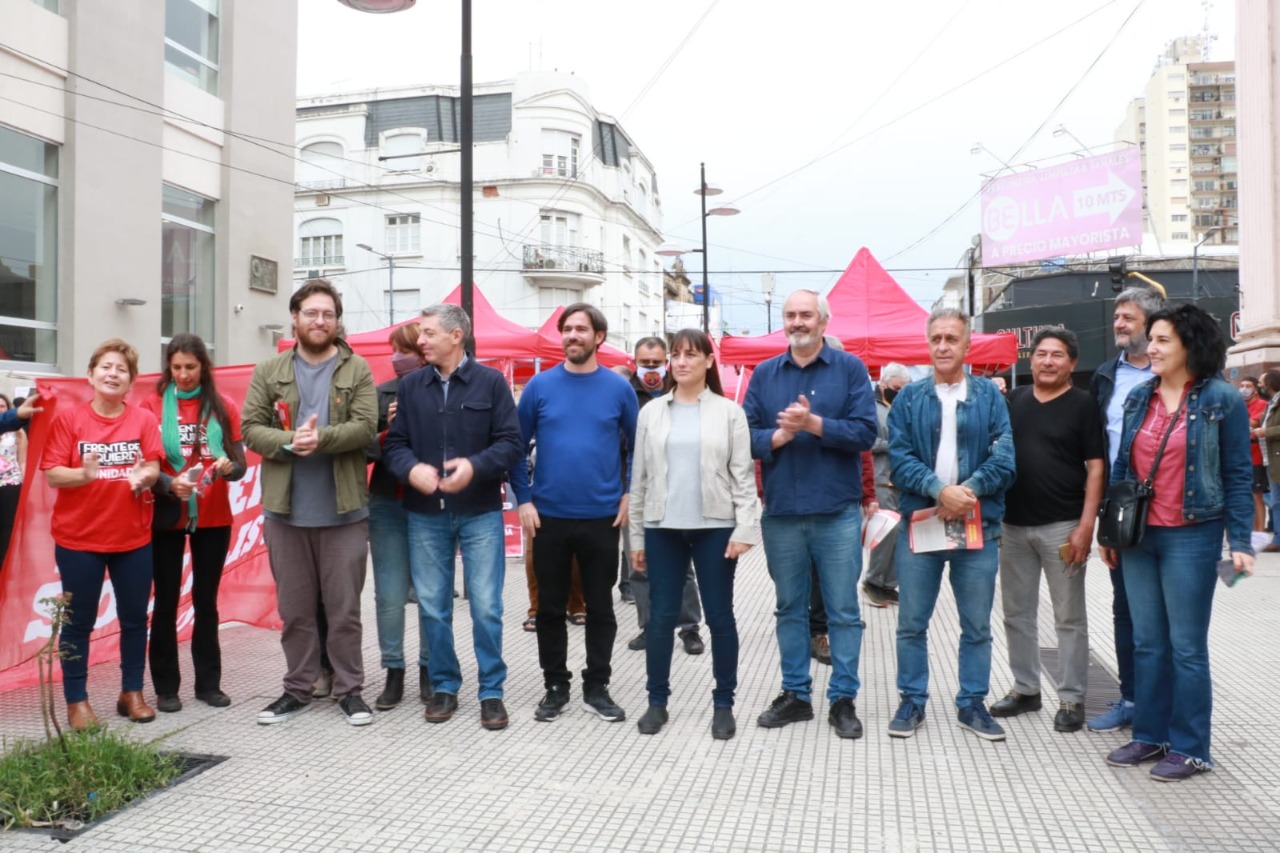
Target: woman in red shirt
(102,457)
(200,432)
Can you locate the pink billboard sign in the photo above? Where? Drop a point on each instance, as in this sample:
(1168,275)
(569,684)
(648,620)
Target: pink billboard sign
(1083,206)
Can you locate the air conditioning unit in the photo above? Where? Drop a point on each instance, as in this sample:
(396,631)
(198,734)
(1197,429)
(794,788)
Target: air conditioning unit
(313,273)
(322,200)
(549,264)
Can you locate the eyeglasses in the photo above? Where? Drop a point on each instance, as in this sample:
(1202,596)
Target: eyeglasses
(312,314)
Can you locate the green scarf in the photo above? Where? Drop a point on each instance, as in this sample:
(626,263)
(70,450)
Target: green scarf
(171,436)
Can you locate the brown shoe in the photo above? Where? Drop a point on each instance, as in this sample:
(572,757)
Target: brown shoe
(133,706)
(80,716)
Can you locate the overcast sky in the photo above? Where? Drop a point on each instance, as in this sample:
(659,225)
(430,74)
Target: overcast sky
(760,90)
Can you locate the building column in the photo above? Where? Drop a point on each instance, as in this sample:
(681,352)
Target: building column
(1258,104)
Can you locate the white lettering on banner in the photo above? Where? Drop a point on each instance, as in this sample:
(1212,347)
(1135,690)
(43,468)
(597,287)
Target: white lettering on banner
(1111,198)
(250,535)
(1056,245)
(41,628)
(115,453)
(252,480)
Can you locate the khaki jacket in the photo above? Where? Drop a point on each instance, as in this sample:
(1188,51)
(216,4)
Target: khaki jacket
(727,473)
(353,422)
(1271,436)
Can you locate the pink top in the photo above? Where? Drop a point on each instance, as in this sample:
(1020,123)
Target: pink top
(1166,503)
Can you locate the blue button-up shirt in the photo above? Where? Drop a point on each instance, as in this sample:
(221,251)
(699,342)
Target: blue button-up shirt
(811,475)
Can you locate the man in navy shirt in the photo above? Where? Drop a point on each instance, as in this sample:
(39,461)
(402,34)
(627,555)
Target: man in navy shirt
(812,412)
(582,416)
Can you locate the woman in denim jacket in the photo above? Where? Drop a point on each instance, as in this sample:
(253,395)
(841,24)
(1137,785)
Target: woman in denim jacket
(693,495)
(1202,488)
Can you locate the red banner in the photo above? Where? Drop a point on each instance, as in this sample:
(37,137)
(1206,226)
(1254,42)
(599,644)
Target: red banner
(248,592)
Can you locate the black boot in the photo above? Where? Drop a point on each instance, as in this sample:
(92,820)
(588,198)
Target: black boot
(393,692)
(424,684)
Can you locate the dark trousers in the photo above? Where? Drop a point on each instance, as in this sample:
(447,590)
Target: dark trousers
(8,512)
(1123,630)
(208,557)
(82,575)
(667,553)
(594,542)
(817,609)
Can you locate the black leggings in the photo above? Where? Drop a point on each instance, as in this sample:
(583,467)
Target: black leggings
(208,557)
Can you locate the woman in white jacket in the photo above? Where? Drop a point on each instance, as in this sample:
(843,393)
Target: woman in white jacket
(693,496)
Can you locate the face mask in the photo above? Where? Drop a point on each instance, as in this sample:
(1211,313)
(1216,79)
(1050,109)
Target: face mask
(405,362)
(651,377)
(1246,391)
(889,394)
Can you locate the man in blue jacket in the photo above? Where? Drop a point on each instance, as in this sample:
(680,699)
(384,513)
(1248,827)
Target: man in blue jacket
(812,412)
(950,447)
(454,437)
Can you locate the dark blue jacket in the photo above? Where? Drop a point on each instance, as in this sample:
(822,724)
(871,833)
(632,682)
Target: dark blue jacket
(984,446)
(478,421)
(811,475)
(1219,477)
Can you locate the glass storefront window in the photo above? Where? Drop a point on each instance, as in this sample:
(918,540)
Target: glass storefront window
(187,264)
(28,248)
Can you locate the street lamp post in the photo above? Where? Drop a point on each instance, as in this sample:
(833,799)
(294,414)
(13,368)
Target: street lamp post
(1195,262)
(767,285)
(391,280)
(465,112)
(704,189)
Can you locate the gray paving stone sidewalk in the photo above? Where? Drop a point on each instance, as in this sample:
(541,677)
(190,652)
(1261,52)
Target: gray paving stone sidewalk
(315,783)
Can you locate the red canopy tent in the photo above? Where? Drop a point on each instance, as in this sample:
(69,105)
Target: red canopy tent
(877,321)
(497,338)
(551,349)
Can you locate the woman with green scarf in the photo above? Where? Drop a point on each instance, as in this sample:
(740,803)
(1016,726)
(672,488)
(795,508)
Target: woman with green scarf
(200,430)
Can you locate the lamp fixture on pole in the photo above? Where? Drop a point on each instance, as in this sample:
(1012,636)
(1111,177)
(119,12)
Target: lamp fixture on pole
(391,280)
(465,137)
(1195,262)
(704,189)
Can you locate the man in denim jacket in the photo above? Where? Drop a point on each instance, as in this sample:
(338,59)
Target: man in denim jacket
(950,446)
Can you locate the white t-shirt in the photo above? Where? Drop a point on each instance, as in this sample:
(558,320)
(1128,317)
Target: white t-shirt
(947,465)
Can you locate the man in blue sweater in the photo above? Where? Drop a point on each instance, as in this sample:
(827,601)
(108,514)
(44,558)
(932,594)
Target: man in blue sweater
(454,436)
(812,413)
(582,416)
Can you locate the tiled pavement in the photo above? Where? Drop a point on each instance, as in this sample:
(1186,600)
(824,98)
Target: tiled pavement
(314,783)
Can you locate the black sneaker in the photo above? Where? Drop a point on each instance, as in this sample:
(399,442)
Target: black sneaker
(596,700)
(214,698)
(355,710)
(638,642)
(874,594)
(653,720)
(787,708)
(843,717)
(1015,703)
(889,594)
(723,726)
(493,714)
(282,709)
(168,704)
(441,707)
(692,641)
(552,704)
(1070,717)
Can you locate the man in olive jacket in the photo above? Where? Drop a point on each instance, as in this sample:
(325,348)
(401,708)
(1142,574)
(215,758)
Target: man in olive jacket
(309,413)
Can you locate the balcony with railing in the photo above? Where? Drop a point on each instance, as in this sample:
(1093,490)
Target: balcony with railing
(560,266)
(319,261)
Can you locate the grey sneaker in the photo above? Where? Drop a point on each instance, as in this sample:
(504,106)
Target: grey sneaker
(976,719)
(910,717)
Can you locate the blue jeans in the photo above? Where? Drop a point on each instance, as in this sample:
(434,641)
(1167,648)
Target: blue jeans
(392,580)
(1275,507)
(792,543)
(667,554)
(1171,576)
(433,541)
(82,575)
(973,582)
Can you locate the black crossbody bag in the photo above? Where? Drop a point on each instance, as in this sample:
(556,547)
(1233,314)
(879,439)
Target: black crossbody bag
(1122,518)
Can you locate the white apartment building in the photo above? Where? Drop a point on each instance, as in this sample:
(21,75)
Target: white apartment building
(566,207)
(1185,124)
(145,177)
